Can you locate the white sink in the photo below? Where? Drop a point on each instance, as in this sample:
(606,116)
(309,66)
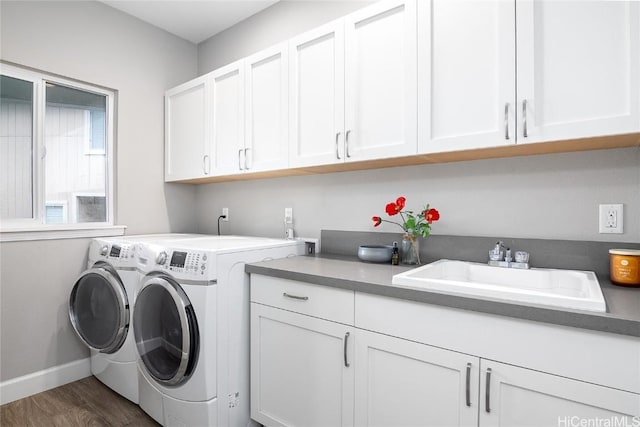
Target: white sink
(559,288)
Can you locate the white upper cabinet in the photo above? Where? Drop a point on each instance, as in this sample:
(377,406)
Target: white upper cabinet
(187,130)
(227,119)
(381,81)
(316,83)
(466,63)
(250,114)
(266,142)
(405,77)
(353,87)
(578,69)
(575,75)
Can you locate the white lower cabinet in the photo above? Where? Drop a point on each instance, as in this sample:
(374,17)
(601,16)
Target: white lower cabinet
(301,373)
(514,396)
(403,383)
(311,365)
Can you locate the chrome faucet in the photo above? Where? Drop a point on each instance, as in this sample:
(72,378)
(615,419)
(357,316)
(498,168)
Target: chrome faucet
(500,256)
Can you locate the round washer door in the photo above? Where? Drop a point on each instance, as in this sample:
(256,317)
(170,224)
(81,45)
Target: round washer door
(99,308)
(166,331)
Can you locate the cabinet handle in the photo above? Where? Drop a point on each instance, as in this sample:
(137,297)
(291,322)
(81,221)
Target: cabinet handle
(246,166)
(525,133)
(346,341)
(487,393)
(337,146)
(239,160)
(205,169)
(468,389)
(346,143)
(295,296)
(506,121)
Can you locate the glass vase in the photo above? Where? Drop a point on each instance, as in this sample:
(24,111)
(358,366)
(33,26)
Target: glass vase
(410,250)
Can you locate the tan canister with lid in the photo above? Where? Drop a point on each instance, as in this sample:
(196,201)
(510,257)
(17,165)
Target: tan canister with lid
(625,267)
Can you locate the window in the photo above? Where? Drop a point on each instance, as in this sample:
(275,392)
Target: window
(55,213)
(56,151)
(97,136)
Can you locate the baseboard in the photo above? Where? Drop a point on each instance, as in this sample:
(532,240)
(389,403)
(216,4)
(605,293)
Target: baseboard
(37,382)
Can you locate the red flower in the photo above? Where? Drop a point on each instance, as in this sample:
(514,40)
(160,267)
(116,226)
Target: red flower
(392,209)
(400,203)
(431,215)
(377,221)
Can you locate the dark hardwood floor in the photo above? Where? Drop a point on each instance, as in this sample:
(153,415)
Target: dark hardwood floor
(86,402)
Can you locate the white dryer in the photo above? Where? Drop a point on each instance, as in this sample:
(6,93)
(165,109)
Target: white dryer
(100,312)
(191,325)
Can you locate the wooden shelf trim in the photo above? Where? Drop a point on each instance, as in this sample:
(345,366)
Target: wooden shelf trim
(514,150)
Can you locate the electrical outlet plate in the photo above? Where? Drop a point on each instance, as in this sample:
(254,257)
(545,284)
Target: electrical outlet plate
(225,212)
(288,215)
(611,219)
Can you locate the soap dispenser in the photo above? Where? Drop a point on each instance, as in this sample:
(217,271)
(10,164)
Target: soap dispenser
(395,255)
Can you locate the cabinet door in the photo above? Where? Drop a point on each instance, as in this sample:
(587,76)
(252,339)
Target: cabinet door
(513,396)
(186,130)
(403,383)
(381,99)
(578,69)
(316,80)
(466,66)
(301,372)
(228,119)
(266,135)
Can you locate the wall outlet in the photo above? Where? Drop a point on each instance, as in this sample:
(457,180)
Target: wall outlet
(611,219)
(225,212)
(288,215)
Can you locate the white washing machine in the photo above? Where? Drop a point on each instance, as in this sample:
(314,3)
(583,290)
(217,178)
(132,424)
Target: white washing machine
(101,308)
(100,311)
(191,325)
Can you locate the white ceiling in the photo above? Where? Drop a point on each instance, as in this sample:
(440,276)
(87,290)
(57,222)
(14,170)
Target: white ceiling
(193,20)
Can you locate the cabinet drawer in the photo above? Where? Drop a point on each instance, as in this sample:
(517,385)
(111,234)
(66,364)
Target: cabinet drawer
(313,300)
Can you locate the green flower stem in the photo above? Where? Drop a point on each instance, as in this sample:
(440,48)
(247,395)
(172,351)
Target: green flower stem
(393,222)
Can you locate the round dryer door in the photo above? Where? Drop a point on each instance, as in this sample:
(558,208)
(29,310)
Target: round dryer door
(99,308)
(166,331)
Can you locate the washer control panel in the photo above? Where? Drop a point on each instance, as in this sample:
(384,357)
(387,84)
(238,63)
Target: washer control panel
(118,254)
(121,251)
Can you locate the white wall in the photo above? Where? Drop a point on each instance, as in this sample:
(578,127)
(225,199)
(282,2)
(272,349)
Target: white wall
(89,41)
(550,196)
(547,197)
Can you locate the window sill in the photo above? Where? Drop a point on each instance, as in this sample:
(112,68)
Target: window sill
(61,232)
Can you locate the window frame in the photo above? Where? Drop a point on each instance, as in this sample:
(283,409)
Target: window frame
(36,228)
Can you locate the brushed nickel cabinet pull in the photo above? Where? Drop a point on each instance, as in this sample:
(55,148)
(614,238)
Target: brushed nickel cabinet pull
(346,143)
(239,159)
(506,121)
(337,146)
(205,169)
(246,151)
(468,388)
(295,297)
(346,341)
(525,133)
(487,394)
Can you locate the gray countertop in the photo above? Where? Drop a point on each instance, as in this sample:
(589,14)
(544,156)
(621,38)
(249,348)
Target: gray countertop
(623,304)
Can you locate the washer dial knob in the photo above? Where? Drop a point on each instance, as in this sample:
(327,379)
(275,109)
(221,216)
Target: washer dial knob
(161,258)
(104,250)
